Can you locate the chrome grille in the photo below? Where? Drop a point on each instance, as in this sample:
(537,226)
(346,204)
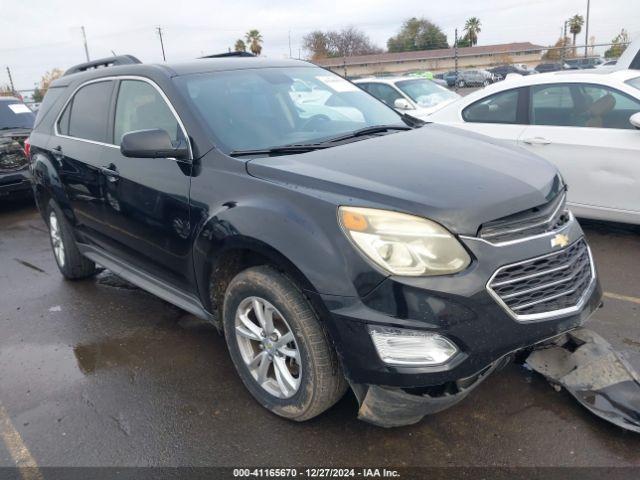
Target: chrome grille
(542,286)
(539,220)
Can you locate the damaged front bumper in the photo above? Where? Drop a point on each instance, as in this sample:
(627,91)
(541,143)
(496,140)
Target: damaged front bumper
(395,407)
(603,380)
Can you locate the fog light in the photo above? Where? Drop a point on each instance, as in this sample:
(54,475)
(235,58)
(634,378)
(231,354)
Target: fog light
(411,347)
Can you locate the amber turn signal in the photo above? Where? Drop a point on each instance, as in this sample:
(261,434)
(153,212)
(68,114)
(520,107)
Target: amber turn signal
(354,221)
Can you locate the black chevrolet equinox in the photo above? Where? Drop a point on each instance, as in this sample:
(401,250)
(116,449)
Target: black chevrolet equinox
(335,242)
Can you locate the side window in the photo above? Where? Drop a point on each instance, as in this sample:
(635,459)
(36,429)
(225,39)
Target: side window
(582,105)
(555,105)
(141,107)
(89,112)
(63,121)
(609,108)
(384,92)
(498,108)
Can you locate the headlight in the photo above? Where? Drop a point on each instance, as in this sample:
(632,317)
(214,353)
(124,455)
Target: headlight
(411,347)
(403,244)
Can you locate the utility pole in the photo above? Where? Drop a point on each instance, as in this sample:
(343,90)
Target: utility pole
(455,57)
(164,58)
(564,42)
(13,89)
(586,30)
(84,38)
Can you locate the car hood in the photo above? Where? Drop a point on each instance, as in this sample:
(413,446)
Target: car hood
(457,178)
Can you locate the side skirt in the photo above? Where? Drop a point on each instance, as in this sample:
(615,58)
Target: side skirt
(147,282)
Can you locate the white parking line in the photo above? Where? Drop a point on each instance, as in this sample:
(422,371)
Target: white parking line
(624,298)
(26,464)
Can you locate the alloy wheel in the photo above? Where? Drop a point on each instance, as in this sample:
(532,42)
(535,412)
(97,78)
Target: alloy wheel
(268,347)
(56,239)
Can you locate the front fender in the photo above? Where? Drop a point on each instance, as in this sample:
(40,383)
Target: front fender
(304,232)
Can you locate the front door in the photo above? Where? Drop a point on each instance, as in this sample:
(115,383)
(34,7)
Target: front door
(148,198)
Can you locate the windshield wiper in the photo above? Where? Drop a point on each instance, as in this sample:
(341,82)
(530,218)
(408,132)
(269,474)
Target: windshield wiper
(13,128)
(365,131)
(282,150)
(308,147)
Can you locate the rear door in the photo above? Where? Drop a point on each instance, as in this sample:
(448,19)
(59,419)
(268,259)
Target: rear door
(79,143)
(584,130)
(147,206)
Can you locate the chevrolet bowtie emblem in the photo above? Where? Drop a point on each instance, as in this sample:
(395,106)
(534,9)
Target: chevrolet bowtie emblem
(560,240)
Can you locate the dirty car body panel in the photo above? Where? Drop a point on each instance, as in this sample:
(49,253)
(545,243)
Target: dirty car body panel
(170,226)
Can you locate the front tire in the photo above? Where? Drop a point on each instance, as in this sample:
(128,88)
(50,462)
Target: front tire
(279,348)
(461,84)
(71,263)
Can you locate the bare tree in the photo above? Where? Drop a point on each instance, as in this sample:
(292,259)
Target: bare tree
(344,43)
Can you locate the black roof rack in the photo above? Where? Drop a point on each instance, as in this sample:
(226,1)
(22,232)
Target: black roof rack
(103,62)
(229,54)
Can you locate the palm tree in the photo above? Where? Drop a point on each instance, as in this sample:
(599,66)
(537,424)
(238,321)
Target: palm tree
(254,39)
(473,27)
(240,46)
(575,26)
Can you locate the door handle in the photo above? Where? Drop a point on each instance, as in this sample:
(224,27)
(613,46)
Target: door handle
(112,175)
(536,141)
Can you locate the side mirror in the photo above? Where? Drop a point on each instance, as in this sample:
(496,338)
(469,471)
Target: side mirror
(154,143)
(635,120)
(402,104)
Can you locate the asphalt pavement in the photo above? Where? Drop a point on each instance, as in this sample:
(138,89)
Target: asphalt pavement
(97,373)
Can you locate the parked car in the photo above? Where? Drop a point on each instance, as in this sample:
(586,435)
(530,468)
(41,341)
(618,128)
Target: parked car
(474,78)
(450,77)
(384,254)
(584,122)
(415,96)
(551,67)
(435,78)
(501,71)
(16,122)
(584,63)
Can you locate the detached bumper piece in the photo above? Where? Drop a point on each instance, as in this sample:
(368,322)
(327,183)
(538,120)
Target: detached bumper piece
(395,407)
(604,381)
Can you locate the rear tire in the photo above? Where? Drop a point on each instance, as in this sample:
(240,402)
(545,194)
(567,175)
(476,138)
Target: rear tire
(71,263)
(285,360)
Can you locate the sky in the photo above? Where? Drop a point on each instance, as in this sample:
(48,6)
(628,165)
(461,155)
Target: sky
(44,34)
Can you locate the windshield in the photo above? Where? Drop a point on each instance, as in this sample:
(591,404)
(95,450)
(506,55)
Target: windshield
(262,108)
(425,92)
(634,82)
(15,114)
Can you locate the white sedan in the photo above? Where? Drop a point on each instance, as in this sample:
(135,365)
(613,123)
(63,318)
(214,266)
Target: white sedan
(417,97)
(584,122)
